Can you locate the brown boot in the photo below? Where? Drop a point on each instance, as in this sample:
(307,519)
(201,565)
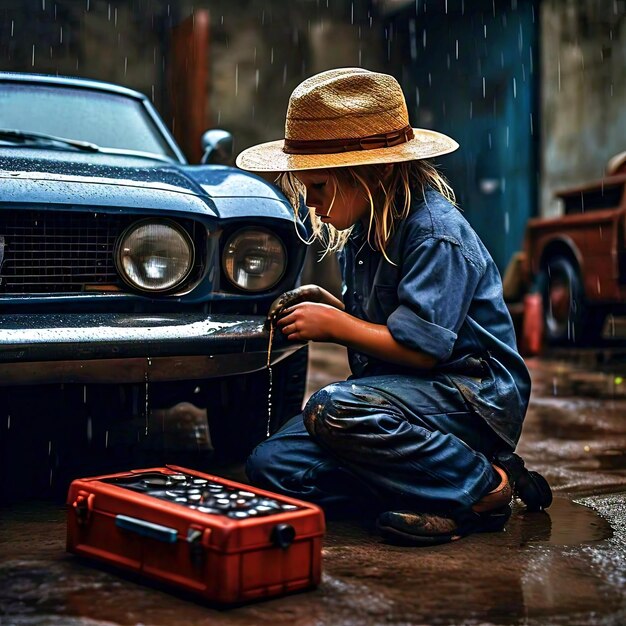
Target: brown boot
(489,514)
(429,529)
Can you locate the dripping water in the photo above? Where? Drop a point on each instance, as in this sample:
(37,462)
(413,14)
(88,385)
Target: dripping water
(146,399)
(145,411)
(269,373)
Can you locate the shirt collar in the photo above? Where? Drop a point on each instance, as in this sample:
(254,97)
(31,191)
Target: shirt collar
(357,235)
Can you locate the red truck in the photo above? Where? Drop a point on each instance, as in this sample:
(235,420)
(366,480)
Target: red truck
(577,261)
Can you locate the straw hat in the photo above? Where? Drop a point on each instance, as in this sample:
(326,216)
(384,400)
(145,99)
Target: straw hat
(342,117)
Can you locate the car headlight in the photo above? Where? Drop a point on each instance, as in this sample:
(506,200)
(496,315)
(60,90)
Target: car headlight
(154,255)
(254,259)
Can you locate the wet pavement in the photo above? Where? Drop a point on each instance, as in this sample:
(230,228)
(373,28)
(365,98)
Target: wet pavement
(564,566)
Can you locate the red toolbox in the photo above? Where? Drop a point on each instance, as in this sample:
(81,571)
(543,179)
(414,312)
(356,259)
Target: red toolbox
(225,541)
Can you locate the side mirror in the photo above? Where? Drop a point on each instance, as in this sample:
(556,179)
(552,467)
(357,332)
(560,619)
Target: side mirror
(217,146)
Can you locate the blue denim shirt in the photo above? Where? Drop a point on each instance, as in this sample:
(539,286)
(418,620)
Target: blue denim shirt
(444,297)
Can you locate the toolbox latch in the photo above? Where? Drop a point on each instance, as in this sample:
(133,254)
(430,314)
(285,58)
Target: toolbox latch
(83,506)
(196,549)
(283,535)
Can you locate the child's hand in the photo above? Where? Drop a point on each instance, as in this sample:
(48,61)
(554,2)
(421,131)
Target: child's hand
(304,293)
(310,321)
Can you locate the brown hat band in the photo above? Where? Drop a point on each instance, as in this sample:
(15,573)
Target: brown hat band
(333,146)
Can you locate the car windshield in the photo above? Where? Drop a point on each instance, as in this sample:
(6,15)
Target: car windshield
(108,120)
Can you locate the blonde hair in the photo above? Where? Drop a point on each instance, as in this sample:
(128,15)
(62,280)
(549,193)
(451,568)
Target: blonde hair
(388,205)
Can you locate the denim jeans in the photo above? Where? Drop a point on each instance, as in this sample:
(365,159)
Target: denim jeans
(379,443)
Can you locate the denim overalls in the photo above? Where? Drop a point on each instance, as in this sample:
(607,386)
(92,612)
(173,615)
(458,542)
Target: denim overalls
(391,437)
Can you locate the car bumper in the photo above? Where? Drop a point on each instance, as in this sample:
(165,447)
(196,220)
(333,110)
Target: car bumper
(124,348)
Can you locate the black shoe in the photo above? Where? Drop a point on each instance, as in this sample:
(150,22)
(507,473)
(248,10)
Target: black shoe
(530,487)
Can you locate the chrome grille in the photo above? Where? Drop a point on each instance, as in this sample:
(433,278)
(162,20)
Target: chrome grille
(58,252)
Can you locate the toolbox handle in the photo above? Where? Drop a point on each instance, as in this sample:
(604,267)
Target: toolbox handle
(146,529)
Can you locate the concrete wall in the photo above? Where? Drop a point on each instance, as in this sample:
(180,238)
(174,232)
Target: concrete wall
(583,100)
(261,49)
(116,41)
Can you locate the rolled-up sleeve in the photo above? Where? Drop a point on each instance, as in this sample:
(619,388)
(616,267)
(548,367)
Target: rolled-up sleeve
(435,291)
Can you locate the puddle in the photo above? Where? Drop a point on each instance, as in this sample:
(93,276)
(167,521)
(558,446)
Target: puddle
(564,523)
(497,578)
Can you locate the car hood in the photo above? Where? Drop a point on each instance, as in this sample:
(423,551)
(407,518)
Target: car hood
(85,179)
(119,181)
(121,170)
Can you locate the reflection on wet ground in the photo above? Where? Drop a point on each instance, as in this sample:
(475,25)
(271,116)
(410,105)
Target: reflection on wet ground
(566,523)
(564,566)
(575,431)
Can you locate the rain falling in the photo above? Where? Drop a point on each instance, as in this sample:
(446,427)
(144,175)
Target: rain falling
(122,349)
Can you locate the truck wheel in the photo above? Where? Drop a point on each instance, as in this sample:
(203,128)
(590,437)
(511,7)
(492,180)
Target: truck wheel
(568,319)
(239,420)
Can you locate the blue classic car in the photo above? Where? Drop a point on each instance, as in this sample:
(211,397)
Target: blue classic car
(134,288)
